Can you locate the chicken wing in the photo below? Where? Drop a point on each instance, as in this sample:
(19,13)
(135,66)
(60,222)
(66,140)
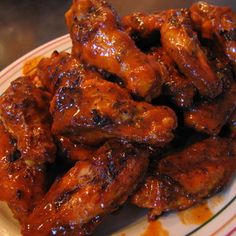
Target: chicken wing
(21,185)
(220,63)
(90,190)
(24,110)
(186,178)
(219,23)
(56,71)
(181,43)
(26,145)
(210,116)
(176,85)
(91,110)
(98,39)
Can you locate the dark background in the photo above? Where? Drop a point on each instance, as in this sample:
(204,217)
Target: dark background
(26,24)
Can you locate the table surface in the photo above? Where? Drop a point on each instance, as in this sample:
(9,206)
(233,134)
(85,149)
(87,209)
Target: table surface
(27,24)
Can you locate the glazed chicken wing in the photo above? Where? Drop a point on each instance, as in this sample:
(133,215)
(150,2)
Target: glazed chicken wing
(181,43)
(219,23)
(24,112)
(98,39)
(210,116)
(26,145)
(176,85)
(91,110)
(90,190)
(219,62)
(186,178)
(21,185)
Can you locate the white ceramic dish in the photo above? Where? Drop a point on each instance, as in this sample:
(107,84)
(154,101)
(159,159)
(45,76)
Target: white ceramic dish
(130,221)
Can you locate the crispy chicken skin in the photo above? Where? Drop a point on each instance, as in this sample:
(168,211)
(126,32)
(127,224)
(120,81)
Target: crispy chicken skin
(186,178)
(142,23)
(26,145)
(181,43)
(99,40)
(176,85)
(24,110)
(58,70)
(91,110)
(21,185)
(219,23)
(210,116)
(90,190)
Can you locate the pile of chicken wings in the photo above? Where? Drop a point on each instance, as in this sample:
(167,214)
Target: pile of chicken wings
(143,109)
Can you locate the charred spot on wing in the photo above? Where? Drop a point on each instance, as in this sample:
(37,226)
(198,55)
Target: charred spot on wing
(14,156)
(19,194)
(99,119)
(63,101)
(65,197)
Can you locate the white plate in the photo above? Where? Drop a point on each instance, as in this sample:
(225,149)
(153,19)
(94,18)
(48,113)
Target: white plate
(130,220)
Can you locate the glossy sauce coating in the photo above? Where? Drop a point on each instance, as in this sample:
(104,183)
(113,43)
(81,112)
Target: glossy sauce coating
(21,185)
(155,228)
(24,110)
(187,177)
(90,109)
(210,116)
(178,87)
(183,46)
(219,23)
(99,40)
(90,190)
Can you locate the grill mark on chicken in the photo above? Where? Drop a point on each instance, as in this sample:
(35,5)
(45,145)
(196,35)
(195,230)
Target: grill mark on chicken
(181,180)
(77,202)
(98,40)
(93,110)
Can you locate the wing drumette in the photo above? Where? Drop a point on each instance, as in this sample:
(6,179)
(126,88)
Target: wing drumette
(98,39)
(176,85)
(26,145)
(24,110)
(219,23)
(183,46)
(90,190)
(210,116)
(21,185)
(186,178)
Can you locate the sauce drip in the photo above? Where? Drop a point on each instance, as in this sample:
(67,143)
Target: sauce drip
(155,228)
(196,215)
